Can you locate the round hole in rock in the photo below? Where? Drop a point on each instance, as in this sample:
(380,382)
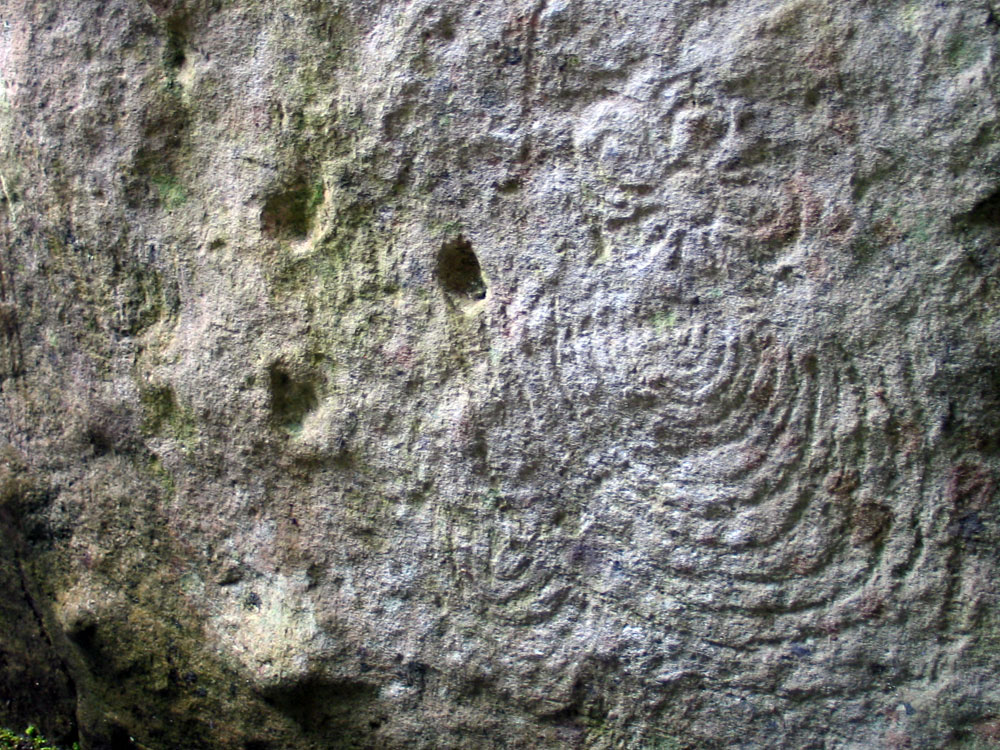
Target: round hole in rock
(291,400)
(458,269)
(288,211)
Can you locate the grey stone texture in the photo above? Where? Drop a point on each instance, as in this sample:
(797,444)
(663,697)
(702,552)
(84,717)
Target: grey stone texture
(501,375)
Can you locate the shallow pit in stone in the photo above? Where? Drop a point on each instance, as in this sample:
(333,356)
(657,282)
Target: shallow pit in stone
(288,211)
(291,399)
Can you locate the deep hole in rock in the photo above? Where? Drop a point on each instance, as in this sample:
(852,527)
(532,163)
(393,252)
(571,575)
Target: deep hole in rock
(291,400)
(987,211)
(100,441)
(85,637)
(458,269)
(288,212)
(174,55)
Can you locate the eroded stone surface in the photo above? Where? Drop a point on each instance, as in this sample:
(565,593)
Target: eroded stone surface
(494,375)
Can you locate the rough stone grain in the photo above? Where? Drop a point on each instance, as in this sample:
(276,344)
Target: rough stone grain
(468,375)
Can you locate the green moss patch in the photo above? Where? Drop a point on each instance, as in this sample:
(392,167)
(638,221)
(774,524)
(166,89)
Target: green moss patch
(171,193)
(161,414)
(30,739)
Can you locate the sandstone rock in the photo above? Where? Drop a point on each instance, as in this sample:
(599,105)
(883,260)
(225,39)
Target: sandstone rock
(552,374)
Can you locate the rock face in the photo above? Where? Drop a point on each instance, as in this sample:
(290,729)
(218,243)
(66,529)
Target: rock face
(469,375)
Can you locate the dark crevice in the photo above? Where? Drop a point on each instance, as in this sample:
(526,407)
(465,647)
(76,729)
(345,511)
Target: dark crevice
(987,211)
(334,709)
(73,735)
(991,18)
(9,320)
(288,211)
(458,269)
(291,399)
(176,42)
(13,537)
(85,638)
(120,739)
(101,443)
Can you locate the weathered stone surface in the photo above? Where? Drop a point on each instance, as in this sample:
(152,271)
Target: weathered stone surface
(34,685)
(550,374)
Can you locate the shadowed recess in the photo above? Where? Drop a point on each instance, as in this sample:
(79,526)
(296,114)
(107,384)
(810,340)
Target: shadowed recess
(458,269)
(987,211)
(288,212)
(291,400)
(174,46)
(339,712)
